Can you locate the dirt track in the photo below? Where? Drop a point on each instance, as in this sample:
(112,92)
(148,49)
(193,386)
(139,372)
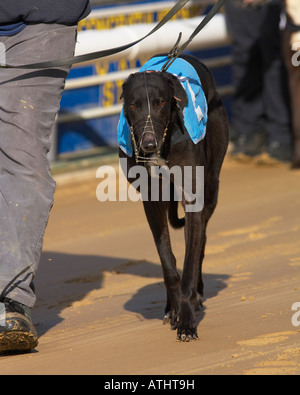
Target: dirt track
(101,295)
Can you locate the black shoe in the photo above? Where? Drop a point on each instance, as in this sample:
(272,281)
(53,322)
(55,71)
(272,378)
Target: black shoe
(17,333)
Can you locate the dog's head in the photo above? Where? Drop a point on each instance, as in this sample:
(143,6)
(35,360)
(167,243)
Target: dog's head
(152,102)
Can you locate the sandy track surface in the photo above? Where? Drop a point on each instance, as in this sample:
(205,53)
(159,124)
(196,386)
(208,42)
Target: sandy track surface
(101,295)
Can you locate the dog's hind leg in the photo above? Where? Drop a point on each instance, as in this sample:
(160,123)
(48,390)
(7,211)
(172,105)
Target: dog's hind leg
(156,213)
(198,297)
(211,199)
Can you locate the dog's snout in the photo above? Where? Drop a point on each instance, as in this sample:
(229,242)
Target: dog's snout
(149,143)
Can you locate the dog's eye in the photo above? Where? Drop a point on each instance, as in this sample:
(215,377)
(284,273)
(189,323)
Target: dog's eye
(133,106)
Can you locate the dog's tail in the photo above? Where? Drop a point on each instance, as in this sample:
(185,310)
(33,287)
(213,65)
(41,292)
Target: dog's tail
(175,222)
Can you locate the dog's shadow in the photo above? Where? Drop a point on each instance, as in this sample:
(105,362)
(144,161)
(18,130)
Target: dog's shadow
(150,301)
(64,279)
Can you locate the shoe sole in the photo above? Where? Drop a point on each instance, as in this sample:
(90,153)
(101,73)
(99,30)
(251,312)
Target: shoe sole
(17,341)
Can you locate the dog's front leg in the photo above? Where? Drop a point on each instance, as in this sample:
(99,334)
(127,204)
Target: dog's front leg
(187,327)
(156,213)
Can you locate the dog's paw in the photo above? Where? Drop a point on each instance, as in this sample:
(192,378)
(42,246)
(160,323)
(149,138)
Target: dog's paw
(186,326)
(167,318)
(172,319)
(187,334)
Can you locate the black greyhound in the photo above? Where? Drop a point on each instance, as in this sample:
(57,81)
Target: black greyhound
(162,94)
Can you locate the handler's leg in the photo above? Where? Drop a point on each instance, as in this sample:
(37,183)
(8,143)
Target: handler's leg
(29,102)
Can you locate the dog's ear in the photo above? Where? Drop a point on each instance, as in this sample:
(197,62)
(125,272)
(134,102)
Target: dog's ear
(178,92)
(126,83)
(180,99)
(123,88)
(122,94)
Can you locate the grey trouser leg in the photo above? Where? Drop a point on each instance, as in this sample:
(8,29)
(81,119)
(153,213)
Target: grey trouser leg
(29,102)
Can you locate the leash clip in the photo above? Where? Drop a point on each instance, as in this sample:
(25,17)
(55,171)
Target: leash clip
(175,49)
(173,54)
